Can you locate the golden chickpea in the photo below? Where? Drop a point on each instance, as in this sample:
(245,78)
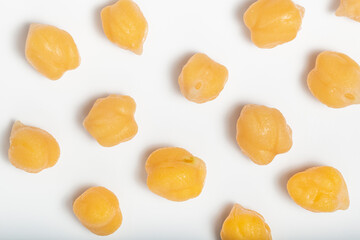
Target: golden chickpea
(202,79)
(125,25)
(350,9)
(245,224)
(51,51)
(319,189)
(175,174)
(32,149)
(111,120)
(335,80)
(262,133)
(98,210)
(273,22)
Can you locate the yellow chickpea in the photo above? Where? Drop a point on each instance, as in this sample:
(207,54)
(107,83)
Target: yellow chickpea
(273,22)
(350,9)
(319,189)
(245,224)
(125,25)
(32,149)
(175,174)
(111,120)
(262,133)
(202,79)
(335,80)
(98,210)
(51,51)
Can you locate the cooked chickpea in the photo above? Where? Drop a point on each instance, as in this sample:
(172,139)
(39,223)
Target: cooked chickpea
(245,224)
(175,174)
(32,149)
(335,80)
(98,210)
(111,120)
(262,133)
(51,51)
(125,25)
(202,79)
(319,189)
(273,22)
(350,9)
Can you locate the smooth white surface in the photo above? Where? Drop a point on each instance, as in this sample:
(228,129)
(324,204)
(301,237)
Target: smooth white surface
(39,206)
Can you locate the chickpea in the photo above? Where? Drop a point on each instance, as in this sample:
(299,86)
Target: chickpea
(51,51)
(319,189)
(262,133)
(335,80)
(111,120)
(202,79)
(32,149)
(245,224)
(98,210)
(350,9)
(125,25)
(175,174)
(273,22)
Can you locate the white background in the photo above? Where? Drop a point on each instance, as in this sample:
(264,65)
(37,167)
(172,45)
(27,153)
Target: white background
(39,206)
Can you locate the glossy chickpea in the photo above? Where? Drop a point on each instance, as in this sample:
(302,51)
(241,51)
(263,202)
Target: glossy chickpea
(51,51)
(175,174)
(245,224)
(319,189)
(273,22)
(111,120)
(335,80)
(350,9)
(202,79)
(262,133)
(32,149)
(125,25)
(98,210)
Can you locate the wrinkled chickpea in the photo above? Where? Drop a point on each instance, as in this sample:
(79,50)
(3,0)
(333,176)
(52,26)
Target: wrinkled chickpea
(273,22)
(350,9)
(32,149)
(125,25)
(245,224)
(51,51)
(98,210)
(262,133)
(319,189)
(111,120)
(175,174)
(202,79)
(335,80)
